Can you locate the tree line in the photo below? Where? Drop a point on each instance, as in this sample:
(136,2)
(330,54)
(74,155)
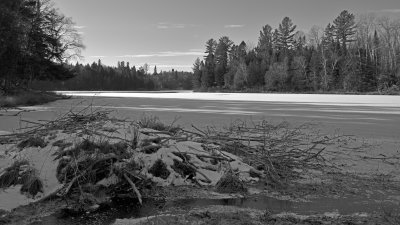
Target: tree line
(98,76)
(351,54)
(35,41)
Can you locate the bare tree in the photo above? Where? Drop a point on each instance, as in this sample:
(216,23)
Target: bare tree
(315,36)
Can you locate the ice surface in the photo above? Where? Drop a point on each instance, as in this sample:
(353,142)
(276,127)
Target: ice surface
(317,99)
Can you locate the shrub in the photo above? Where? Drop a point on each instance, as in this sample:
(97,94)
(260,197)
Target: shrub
(230,183)
(159,169)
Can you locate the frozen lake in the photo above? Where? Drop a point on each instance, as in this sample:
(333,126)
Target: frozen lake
(315,99)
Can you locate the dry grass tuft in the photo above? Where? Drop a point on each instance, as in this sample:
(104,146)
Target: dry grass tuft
(159,169)
(20,172)
(231,183)
(153,122)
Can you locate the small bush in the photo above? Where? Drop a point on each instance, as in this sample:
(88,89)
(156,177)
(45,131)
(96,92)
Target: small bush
(230,183)
(159,169)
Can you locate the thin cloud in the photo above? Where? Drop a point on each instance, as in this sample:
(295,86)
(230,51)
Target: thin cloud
(391,10)
(136,56)
(234,26)
(165,54)
(79,27)
(196,50)
(98,56)
(165,25)
(174,53)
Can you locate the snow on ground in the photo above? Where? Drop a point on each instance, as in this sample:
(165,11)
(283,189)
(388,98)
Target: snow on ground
(317,99)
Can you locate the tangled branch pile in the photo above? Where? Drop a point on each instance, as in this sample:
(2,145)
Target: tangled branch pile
(84,121)
(278,150)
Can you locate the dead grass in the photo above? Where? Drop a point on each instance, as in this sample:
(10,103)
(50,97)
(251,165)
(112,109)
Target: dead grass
(159,169)
(89,160)
(153,122)
(20,172)
(231,183)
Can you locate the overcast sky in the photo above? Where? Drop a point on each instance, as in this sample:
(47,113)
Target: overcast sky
(172,33)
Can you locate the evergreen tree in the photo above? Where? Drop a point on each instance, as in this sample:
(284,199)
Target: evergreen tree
(208,75)
(265,48)
(197,67)
(155,70)
(344,27)
(285,34)
(211,45)
(221,59)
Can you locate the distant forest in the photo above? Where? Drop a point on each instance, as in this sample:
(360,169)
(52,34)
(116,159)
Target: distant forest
(123,77)
(350,55)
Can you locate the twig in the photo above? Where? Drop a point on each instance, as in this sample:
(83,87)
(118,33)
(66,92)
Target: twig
(205,134)
(134,188)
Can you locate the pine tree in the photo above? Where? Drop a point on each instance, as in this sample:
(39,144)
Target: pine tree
(265,41)
(265,47)
(211,45)
(344,27)
(155,70)
(286,33)
(221,59)
(208,76)
(197,74)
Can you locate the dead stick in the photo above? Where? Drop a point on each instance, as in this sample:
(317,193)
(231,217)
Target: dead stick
(209,156)
(205,134)
(134,188)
